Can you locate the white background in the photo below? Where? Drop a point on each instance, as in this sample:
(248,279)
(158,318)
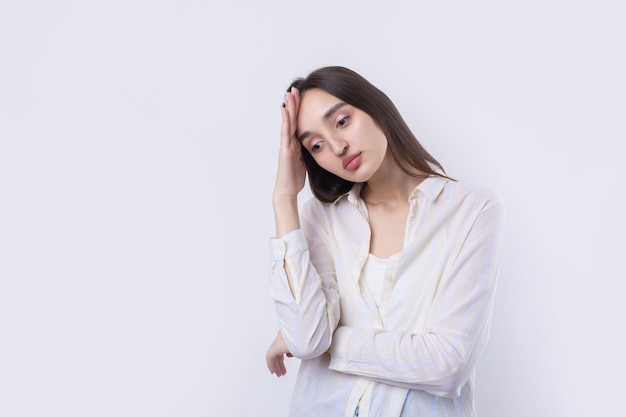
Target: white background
(138,146)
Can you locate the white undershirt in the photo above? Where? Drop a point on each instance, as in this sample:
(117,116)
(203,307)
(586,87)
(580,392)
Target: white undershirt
(373,274)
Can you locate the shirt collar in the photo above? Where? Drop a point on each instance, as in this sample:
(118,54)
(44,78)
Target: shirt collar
(354,195)
(431,187)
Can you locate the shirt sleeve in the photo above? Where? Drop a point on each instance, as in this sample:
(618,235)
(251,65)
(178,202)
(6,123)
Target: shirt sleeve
(309,317)
(441,359)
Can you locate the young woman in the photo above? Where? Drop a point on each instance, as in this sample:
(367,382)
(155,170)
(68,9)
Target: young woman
(384,282)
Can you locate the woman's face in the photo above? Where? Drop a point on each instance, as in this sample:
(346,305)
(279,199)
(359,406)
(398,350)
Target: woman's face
(342,139)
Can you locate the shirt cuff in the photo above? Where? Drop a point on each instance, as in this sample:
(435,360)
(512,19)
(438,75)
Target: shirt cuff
(290,244)
(339,348)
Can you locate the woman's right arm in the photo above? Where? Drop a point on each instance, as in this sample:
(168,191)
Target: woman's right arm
(303,282)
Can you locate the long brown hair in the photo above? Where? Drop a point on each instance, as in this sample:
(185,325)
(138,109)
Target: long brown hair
(355,90)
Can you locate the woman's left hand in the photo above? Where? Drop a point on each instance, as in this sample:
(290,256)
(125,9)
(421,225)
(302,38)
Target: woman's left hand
(275,355)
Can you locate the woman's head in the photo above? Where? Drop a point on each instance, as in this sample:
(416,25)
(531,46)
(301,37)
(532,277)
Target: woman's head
(354,90)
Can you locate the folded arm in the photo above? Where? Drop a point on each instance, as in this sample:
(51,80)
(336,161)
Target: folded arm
(440,359)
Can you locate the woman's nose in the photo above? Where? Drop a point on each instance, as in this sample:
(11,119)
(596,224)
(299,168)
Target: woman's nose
(339,146)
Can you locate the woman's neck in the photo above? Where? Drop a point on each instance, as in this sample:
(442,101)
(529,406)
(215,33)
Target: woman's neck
(390,185)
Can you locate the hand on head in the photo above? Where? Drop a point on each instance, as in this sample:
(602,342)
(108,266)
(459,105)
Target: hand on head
(291,169)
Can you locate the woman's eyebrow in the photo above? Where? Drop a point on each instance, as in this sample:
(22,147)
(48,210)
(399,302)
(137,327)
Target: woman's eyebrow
(333,109)
(326,116)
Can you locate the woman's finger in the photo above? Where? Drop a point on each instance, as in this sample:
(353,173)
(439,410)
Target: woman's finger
(296,99)
(292,110)
(281,361)
(285,136)
(273,365)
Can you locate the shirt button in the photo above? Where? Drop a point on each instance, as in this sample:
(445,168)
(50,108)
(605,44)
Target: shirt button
(389,278)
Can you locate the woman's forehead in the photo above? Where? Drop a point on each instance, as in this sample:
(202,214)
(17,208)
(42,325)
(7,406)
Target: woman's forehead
(315,105)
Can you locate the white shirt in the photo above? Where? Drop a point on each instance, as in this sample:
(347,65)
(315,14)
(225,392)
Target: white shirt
(415,353)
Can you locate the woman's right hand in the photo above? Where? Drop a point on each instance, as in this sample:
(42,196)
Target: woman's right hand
(291,169)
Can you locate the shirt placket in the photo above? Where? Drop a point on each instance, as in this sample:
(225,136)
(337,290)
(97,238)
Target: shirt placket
(392,269)
(409,232)
(388,284)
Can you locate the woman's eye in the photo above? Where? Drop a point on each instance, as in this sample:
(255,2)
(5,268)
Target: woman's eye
(316,147)
(342,121)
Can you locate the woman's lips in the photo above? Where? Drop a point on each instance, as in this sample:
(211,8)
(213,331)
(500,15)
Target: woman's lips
(352,162)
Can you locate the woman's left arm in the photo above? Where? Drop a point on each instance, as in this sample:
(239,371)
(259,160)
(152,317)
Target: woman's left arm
(441,359)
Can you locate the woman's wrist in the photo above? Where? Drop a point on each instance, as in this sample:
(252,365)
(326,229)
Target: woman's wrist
(284,200)
(286,215)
